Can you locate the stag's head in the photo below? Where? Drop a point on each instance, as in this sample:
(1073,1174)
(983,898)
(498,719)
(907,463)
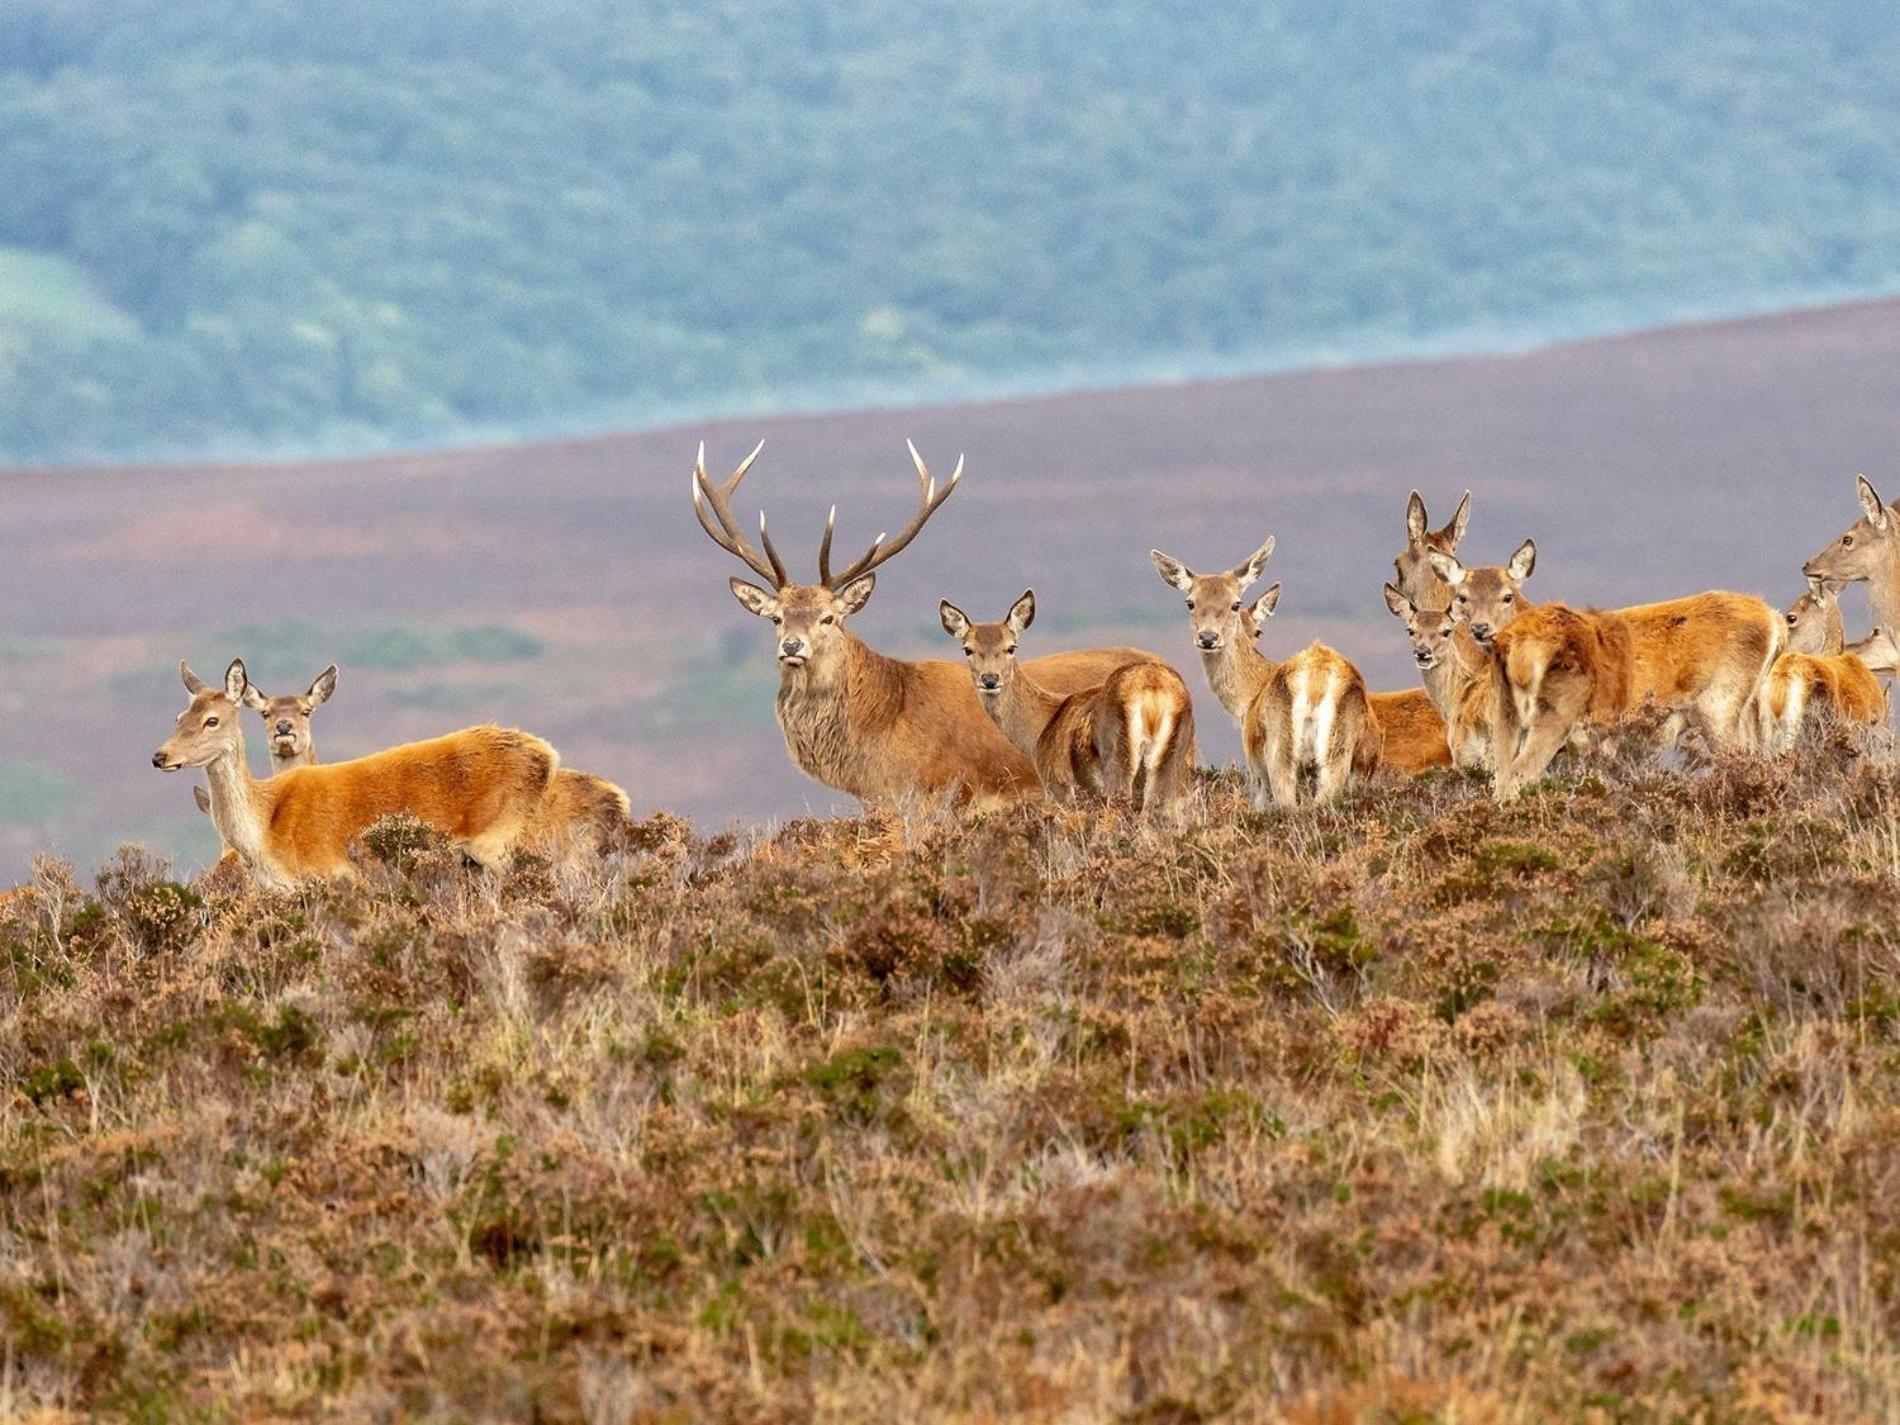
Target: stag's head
(807,619)
(1865,548)
(1486,599)
(990,647)
(1431,630)
(1815,624)
(287,718)
(1415,577)
(208,727)
(1216,611)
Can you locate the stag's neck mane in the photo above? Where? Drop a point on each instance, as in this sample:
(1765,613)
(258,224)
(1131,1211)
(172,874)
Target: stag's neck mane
(1236,671)
(833,715)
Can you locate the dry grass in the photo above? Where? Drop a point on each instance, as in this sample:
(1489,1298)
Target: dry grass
(1417,1109)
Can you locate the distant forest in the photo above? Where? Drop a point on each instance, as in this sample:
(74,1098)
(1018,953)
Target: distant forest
(281,224)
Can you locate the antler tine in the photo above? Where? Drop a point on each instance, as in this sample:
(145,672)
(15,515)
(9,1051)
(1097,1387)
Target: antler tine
(824,547)
(727,534)
(778,565)
(880,551)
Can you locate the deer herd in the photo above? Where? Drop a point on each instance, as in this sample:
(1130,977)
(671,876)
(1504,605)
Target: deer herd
(1506,686)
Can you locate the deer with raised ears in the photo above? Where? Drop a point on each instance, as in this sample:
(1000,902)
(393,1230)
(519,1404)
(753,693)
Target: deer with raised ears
(286,721)
(1457,674)
(1308,714)
(876,727)
(1131,736)
(1818,675)
(1561,672)
(1866,551)
(482,787)
(1413,574)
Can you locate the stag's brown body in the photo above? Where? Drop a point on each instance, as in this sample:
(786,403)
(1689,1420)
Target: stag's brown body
(881,728)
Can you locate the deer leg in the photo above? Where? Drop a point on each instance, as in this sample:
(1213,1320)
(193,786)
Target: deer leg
(1542,742)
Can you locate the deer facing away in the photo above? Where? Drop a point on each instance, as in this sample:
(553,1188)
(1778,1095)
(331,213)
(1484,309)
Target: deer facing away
(1818,676)
(875,727)
(1309,714)
(1131,736)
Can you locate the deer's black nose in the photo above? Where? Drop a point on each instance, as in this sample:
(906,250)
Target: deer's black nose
(792,645)
(990,680)
(158,759)
(1209,640)
(283,729)
(1481,632)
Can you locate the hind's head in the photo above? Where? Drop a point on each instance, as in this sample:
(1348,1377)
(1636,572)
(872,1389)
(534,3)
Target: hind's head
(1431,630)
(208,727)
(1217,612)
(1413,573)
(287,717)
(1487,599)
(990,648)
(1815,624)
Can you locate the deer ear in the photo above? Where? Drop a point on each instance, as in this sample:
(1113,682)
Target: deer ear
(1401,606)
(193,683)
(857,593)
(1249,571)
(1524,561)
(1022,613)
(1446,568)
(203,798)
(1415,521)
(255,700)
(1460,518)
(1261,609)
(955,622)
(324,686)
(752,597)
(1817,587)
(1871,504)
(236,681)
(1173,572)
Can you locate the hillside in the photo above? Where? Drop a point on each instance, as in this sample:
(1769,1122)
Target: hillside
(277,225)
(1415,1109)
(564,586)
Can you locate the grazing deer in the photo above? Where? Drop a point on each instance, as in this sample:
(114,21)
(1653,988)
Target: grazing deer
(1132,735)
(1457,675)
(853,719)
(1310,712)
(1868,549)
(1565,671)
(482,787)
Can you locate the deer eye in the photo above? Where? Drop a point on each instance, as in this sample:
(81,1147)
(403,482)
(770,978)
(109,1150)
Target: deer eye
(1190,606)
(1011,650)
(1463,599)
(1235,606)
(969,653)
(1792,620)
(829,618)
(1510,598)
(211,722)
(1847,541)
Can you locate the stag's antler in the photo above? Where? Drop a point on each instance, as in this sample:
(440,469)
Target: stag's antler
(727,534)
(880,550)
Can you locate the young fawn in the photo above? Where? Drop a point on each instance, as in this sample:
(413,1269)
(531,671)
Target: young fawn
(1818,676)
(1308,714)
(1132,735)
(483,787)
(876,727)
(1561,672)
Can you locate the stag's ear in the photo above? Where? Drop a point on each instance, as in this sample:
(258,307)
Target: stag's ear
(324,686)
(1446,568)
(236,681)
(1248,571)
(1460,518)
(1871,504)
(1173,572)
(1415,521)
(1523,561)
(955,622)
(1022,613)
(203,798)
(255,700)
(1401,606)
(193,683)
(753,598)
(857,593)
